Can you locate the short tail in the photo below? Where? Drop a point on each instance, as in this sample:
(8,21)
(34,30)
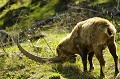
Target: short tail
(111,31)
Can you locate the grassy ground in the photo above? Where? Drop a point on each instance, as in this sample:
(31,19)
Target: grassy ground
(17,66)
(27,16)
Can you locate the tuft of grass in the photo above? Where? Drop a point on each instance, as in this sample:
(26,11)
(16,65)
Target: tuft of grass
(54,76)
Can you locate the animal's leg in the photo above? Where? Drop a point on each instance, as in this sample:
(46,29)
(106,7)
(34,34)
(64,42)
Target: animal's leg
(90,56)
(84,60)
(112,49)
(99,55)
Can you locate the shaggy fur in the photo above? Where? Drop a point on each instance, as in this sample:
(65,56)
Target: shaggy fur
(88,37)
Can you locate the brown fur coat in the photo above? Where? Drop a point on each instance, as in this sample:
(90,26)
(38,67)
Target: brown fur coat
(87,34)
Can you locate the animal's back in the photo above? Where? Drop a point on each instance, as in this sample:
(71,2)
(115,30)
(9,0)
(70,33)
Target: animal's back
(96,31)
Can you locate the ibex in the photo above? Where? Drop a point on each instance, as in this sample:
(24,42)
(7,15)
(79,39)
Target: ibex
(88,37)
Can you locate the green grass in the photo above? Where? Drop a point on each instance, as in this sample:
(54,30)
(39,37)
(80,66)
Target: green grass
(12,7)
(2,2)
(37,13)
(17,66)
(44,11)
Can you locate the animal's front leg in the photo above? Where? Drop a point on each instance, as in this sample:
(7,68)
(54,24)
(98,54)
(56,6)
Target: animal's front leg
(90,56)
(84,60)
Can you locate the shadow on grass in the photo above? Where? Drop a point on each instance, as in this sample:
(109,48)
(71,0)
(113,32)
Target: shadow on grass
(72,72)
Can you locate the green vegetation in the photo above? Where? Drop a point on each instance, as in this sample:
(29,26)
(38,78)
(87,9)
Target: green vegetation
(17,66)
(29,13)
(14,65)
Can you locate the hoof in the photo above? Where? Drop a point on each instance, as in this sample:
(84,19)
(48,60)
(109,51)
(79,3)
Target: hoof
(91,69)
(117,73)
(118,76)
(102,76)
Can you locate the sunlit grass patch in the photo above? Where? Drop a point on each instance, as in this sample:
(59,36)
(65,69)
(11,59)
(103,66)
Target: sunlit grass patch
(45,11)
(2,3)
(23,67)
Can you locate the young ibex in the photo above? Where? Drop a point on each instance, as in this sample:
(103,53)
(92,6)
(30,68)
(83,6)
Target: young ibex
(88,37)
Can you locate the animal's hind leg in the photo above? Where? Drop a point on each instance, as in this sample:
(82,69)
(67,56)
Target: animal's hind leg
(112,49)
(99,55)
(90,57)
